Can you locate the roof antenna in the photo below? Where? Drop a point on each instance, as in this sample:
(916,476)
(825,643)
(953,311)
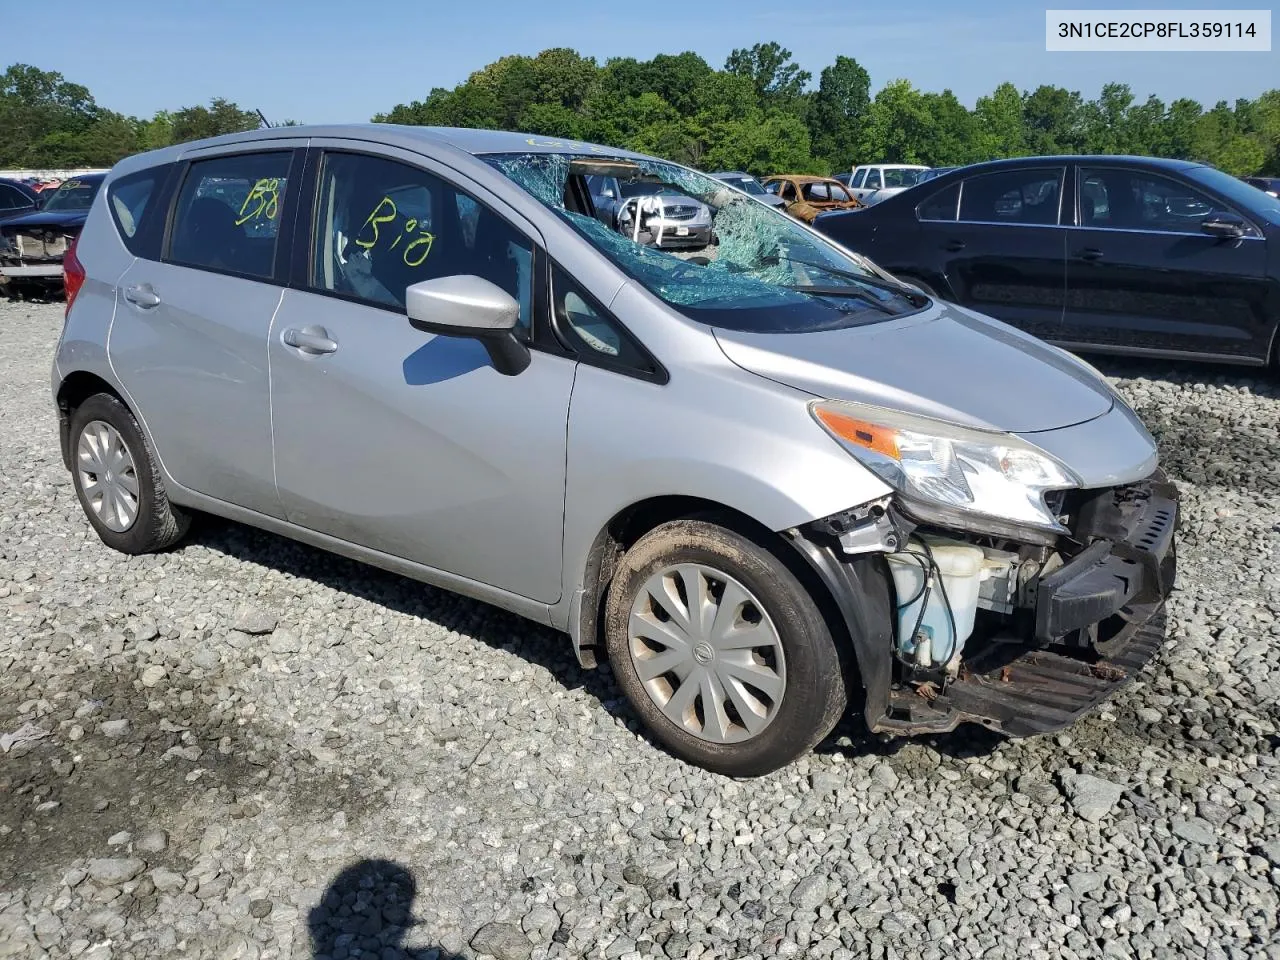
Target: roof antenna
(264,120)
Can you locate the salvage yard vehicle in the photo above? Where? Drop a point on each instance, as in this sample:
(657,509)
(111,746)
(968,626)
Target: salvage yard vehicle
(654,214)
(1131,255)
(32,245)
(804,196)
(749,184)
(872,183)
(766,483)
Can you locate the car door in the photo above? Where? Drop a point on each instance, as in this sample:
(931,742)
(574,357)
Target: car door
(1143,276)
(405,443)
(189,341)
(867,183)
(997,239)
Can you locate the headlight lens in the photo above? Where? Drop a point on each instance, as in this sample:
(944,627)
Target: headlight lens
(945,465)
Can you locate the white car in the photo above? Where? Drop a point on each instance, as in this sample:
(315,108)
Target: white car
(873,183)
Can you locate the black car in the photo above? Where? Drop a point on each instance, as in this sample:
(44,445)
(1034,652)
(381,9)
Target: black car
(16,199)
(32,245)
(1115,254)
(1269,185)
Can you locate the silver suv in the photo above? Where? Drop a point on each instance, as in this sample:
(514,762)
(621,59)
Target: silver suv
(763,481)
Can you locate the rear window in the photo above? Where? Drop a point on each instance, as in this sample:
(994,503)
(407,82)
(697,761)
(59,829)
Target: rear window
(74,194)
(129,199)
(229,213)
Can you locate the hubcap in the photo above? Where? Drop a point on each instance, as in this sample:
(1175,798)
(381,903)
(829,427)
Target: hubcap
(707,653)
(108,476)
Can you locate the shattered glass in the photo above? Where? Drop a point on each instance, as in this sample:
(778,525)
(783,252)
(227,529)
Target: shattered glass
(760,258)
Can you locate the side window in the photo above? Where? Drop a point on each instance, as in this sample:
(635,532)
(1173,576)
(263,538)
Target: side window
(11,199)
(382,226)
(1136,200)
(129,198)
(859,178)
(874,181)
(592,333)
(942,205)
(788,191)
(229,212)
(1013,196)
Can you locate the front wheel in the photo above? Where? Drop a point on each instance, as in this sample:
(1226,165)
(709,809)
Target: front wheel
(721,650)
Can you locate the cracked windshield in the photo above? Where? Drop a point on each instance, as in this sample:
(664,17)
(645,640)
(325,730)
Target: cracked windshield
(716,254)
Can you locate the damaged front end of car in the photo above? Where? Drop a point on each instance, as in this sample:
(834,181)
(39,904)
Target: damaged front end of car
(1019,626)
(31,257)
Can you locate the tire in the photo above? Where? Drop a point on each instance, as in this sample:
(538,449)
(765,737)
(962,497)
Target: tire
(155,523)
(801,661)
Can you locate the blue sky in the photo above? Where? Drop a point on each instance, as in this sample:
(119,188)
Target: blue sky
(344,60)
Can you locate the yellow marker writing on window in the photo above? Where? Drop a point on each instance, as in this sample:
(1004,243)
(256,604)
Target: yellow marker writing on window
(415,251)
(263,201)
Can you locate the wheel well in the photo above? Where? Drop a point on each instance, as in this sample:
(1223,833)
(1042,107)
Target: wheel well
(631,523)
(74,390)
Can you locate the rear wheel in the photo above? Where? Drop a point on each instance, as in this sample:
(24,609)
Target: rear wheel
(118,481)
(721,650)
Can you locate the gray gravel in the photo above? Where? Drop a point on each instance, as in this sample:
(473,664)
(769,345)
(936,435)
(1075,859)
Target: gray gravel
(246,748)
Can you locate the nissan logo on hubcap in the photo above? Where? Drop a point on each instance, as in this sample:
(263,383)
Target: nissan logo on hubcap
(703,653)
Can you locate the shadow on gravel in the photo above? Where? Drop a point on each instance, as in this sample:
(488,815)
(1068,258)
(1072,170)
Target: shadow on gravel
(366,911)
(851,739)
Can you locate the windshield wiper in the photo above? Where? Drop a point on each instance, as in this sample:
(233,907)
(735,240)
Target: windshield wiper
(914,298)
(852,293)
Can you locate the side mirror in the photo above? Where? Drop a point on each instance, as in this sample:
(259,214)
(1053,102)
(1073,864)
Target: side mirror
(1223,225)
(472,307)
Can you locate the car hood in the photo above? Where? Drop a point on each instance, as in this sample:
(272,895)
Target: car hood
(55,218)
(944,362)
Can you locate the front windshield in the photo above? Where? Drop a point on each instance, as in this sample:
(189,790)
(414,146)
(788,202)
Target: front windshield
(761,271)
(901,178)
(73,195)
(1251,199)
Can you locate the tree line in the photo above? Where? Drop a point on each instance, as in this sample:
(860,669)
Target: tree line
(760,112)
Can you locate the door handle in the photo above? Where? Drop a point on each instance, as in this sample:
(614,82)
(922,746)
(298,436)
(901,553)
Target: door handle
(310,340)
(953,246)
(1091,254)
(142,295)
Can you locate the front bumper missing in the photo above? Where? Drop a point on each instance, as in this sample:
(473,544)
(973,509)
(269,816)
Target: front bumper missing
(1094,622)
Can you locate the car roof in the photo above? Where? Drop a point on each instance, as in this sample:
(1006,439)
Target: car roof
(1118,160)
(24,188)
(459,140)
(803,178)
(730,173)
(85,178)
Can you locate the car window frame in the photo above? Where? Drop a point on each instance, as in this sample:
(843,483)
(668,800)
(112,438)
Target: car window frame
(284,234)
(858,178)
(1062,184)
(303,257)
(569,346)
(1253,232)
(955,213)
(25,206)
(879,175)
(147,242)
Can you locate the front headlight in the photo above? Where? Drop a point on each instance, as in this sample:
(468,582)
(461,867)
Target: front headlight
(947,466)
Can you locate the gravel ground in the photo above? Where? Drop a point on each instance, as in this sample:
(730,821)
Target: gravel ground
(246,748)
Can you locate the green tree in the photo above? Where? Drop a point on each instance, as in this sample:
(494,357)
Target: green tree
(42,116)
(899,127)
(838,111)
(1002,128)
(1054,121)
(221,116)
(776,77)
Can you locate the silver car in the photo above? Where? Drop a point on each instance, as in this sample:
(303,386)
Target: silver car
(765,483)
